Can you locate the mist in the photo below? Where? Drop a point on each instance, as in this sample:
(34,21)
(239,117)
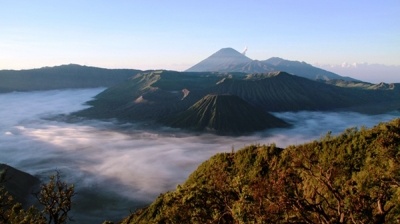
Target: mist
(118,167)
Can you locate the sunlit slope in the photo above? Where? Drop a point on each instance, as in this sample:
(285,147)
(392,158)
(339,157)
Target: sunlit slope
(224,114)
(350,178)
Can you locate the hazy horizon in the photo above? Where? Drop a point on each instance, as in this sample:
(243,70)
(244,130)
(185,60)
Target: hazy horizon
(177,34)
(373,73)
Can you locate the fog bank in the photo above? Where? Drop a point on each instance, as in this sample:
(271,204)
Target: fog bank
(117,167)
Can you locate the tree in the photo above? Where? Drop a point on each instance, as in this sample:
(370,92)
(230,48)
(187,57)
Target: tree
(56,197)
(12,211)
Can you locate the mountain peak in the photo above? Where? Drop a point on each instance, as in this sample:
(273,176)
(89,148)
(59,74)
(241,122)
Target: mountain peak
(274,60)
(230,60)
(224,59)
(224,114)
(228,51)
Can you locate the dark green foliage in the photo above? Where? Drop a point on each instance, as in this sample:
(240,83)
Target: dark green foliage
(55,197)
(350,178)
(11,211)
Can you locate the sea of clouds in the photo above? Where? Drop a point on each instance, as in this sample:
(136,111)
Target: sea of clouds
(118,167)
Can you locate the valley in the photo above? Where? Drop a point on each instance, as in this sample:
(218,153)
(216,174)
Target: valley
(141,133)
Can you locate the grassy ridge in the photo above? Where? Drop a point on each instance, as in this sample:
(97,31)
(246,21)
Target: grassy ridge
(350,178)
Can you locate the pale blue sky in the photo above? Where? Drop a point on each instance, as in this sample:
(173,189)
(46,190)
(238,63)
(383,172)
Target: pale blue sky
(176,34)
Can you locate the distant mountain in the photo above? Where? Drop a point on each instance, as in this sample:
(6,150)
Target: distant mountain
(364,85)
(225,59)
(224,114)
(183,99)
(280,91)
(374,73)
(61,77)
(230,60)
(304,70)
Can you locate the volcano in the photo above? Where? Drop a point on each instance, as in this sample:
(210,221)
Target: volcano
(224,114)
(223,60)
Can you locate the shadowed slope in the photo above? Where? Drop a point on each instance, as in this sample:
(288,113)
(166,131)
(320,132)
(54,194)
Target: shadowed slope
(280,91)
(19,184)
(224,114)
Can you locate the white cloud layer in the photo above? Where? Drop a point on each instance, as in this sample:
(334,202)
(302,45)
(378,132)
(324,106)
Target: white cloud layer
(119,166)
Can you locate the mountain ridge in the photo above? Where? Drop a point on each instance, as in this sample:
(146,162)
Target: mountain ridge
(153,96)
(62,77)
(228,62)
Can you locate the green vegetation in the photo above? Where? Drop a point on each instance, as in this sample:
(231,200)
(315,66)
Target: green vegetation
(350,178)
(55,197)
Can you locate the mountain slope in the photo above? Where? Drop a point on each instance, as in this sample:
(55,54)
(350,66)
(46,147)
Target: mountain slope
(150,95)
(303,69)
(350,178)
(224,114)
(222,60)
(19,184)
(280,91)
(155,96)
(230,60)
(61,77)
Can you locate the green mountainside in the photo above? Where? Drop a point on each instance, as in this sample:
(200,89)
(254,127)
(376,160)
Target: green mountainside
(350,178)
(61,77)
(224,114)
(171,98)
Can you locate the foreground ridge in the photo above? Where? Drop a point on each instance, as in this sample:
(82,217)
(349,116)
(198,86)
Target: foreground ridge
(352,177)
